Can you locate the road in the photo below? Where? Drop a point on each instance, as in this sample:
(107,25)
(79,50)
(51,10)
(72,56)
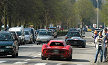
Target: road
(30,54)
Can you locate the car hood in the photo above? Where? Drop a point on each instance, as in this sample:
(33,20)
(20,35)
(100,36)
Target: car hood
(6,43)
(75,38)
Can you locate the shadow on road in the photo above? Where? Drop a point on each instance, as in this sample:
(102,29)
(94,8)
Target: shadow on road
(19,57)
(80,60)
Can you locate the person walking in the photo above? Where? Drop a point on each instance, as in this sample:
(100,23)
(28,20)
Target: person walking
(99,43)
(95,35)
(104,44)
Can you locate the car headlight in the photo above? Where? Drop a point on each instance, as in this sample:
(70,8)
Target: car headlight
(38,38)
(9,46)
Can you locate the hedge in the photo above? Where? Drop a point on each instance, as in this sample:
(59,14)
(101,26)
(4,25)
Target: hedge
(62,33)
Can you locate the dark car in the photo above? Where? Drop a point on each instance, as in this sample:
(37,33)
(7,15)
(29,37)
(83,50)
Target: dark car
(75,39)
(72,29)
(8,44)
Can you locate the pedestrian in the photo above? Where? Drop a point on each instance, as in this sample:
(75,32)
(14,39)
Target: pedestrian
(95,35)
(99,43)
(104,44)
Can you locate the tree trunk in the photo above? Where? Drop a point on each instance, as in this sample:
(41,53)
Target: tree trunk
(10,22)
(0,25)
(5,22)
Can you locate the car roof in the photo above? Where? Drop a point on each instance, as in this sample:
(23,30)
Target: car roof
(73,31)
(52,27)
(61,41)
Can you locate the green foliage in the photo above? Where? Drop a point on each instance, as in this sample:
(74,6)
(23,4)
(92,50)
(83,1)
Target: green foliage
(41,13)
(84,10)
(62,33)
(104,13)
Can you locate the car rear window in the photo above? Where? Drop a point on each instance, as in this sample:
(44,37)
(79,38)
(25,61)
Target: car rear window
(56,44)
(73,34)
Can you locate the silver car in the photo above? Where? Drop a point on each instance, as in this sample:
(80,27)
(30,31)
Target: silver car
(44,37)
(28,37)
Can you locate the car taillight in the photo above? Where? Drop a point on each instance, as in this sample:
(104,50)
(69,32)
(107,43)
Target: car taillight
(45,51)
(67,52)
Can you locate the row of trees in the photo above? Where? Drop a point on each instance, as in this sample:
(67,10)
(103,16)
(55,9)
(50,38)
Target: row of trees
(41,13)
(104,13)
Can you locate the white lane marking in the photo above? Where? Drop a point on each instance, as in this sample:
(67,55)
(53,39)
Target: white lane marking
(40,63)
(27,59)
(31,46)
(60,64)
(2,61)
(39,54)
(20,62)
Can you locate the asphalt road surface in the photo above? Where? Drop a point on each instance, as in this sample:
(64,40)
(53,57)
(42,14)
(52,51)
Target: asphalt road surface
(30,54)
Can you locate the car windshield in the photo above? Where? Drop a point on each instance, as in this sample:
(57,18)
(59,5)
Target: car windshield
(45,33)
(56,44)
(73,34)
(72,29)
(5,37)
(18,33)
(26,32)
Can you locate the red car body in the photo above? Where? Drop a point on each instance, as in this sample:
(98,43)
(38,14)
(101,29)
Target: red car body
(56,49)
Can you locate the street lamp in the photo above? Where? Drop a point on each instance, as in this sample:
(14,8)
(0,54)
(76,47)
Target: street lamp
(97,13)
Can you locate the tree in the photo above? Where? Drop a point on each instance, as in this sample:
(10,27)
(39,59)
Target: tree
(104,13)
(84,11)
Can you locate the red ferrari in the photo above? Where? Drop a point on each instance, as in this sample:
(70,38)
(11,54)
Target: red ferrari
(56,49)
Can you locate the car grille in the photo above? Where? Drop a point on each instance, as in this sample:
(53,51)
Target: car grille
(2,46)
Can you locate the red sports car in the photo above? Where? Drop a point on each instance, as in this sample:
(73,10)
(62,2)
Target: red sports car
(56,49)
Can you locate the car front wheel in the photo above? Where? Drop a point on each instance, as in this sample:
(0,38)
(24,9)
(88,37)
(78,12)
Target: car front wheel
(14,55)
(69,58)
(43,58)
(83,46)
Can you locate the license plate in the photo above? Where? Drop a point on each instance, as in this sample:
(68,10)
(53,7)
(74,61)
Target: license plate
(1,50)
(75,42)
(56,51)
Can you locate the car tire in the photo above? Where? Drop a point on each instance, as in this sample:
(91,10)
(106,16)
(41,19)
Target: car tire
(13,55)
(16,54)
(69,58)
(83,46)
(43,58)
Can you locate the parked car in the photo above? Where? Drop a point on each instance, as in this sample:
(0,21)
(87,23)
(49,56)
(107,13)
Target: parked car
(32,31)
(28,37)
(44,37)
(8,44)
(41,30)
(56,49)
(75,39)
(20,33)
